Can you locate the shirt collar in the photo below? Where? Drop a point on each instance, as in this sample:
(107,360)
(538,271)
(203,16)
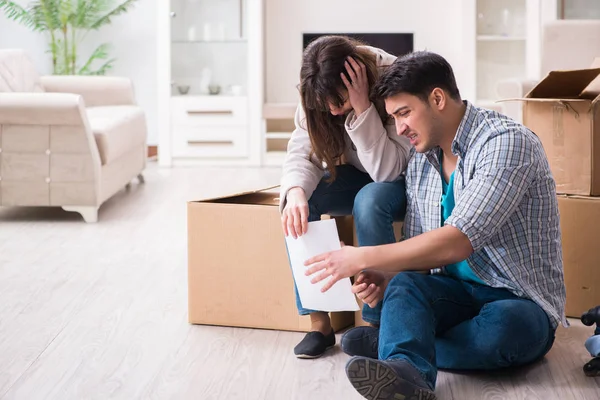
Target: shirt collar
(460,144)
(462,138)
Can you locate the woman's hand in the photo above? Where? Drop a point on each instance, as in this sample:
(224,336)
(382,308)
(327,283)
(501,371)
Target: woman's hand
(358,89)
(295,214)
(337,264)
(369,286)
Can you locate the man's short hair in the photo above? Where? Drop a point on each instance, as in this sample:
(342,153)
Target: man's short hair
(417,73)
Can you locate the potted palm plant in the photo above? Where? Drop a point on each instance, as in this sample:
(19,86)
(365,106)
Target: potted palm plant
(66,23)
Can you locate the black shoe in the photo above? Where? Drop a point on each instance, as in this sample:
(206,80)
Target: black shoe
(361,341)
(314,345)
(382,380)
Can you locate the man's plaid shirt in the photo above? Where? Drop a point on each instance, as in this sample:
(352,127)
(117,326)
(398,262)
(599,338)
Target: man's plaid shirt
(506,205)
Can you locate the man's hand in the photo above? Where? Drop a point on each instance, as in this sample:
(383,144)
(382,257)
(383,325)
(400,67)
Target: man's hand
(370,285)
(337,264)
(358,88)
(295,214)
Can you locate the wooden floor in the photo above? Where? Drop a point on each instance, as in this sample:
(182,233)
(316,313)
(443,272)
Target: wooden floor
(98,311)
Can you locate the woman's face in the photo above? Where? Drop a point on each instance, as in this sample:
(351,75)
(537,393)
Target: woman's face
(340,109)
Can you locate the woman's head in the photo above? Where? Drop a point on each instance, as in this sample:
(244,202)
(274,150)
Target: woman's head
(325,97)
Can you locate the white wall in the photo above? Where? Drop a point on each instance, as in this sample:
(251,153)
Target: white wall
(287,20)
(133,38)
(13,35)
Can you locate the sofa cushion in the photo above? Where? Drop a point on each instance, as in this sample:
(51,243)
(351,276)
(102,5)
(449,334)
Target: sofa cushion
(117,130)
(17,72)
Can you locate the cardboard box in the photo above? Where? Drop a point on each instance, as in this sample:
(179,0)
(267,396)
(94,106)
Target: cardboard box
(580,227)
(238,269)
(563,110)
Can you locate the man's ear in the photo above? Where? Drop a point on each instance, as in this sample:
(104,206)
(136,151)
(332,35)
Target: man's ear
(438,99)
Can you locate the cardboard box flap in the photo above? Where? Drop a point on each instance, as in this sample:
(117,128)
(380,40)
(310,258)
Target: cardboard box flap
(542,100)
(579,197)
(564,85)
(593,89)
(258,198)
(265,196)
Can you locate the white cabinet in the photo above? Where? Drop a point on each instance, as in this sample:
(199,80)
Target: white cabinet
(503,41)
(207,127)
(210,78)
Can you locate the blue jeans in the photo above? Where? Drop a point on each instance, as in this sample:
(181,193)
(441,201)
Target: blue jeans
(374,206)
(436,321)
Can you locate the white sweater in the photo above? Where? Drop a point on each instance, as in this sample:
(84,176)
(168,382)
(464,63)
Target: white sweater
(379,150)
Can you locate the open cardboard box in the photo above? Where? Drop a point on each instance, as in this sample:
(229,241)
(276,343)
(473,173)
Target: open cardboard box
(238,269)
(563,110)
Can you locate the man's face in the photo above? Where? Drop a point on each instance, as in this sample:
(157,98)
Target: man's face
(416,120)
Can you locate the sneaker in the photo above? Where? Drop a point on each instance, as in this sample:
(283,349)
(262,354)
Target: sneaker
(382,380)
(361,341)
(314,345)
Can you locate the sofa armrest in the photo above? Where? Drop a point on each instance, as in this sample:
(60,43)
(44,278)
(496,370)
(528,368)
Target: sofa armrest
(514,88)
(95,90)
(18,108)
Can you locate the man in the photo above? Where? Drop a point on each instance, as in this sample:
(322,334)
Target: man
(482,217)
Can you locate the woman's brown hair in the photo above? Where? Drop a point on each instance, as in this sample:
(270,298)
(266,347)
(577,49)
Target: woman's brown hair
(321,84)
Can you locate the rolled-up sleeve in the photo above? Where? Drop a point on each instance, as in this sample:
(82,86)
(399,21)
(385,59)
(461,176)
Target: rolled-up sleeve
(506,169)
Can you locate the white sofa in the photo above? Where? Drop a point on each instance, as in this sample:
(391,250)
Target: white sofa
(566,44)
(66,141)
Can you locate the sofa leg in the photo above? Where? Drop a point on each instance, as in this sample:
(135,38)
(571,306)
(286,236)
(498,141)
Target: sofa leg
(89,214)
(141,178)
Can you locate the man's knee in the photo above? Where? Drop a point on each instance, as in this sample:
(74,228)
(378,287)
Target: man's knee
(404,283)
(378,199)
(519,332)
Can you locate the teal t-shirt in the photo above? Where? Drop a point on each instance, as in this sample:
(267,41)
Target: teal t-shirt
(459,270)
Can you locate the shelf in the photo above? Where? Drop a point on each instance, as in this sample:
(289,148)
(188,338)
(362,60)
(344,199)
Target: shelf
(279,110)
(279,135)
(226,41)
(500,38)
(210,97)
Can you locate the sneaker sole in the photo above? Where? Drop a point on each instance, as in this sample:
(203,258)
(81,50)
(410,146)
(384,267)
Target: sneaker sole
(375,381)
(309,357)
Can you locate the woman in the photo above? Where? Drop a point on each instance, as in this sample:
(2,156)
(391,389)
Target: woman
(340,125)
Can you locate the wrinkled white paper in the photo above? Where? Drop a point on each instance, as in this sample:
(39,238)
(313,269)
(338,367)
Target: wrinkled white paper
(322,237)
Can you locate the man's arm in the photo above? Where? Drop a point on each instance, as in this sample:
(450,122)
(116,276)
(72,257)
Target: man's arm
(506,170)
(433,249)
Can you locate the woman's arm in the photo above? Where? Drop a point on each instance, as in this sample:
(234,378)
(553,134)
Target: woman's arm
(299,170)
(383,153)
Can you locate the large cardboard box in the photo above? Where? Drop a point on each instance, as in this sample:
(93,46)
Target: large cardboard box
(238,268)
(563,110)
(580,227)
